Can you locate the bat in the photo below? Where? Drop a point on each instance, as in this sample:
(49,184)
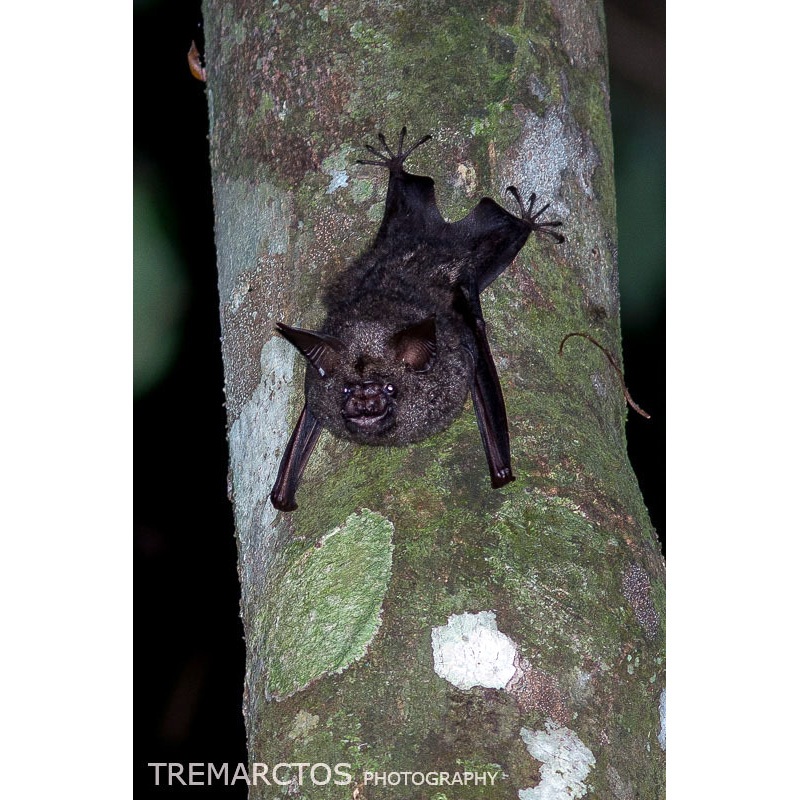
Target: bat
(405,339)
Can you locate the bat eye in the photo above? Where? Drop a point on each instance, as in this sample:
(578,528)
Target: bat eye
(389,389)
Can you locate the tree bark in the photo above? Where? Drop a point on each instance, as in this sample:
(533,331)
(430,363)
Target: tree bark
(407,618)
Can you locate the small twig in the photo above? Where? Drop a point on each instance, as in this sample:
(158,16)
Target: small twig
(196,64)
(613,364)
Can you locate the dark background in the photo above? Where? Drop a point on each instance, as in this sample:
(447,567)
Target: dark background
(189,650)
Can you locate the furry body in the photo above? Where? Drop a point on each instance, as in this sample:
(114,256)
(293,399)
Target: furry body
(388,290)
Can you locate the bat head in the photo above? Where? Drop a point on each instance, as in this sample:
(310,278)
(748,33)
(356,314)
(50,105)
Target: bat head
(375,385)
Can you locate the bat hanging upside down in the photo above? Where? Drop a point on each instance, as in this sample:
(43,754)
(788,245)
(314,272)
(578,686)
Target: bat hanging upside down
(405,339)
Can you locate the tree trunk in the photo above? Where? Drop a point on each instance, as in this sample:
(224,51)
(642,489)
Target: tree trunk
(407,619)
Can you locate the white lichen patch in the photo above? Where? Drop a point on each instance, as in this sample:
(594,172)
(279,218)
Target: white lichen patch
(566,763)
(256,440)
(336,166)
(558,160)
(469,651)
(548,150)
(338,181)
(662,713)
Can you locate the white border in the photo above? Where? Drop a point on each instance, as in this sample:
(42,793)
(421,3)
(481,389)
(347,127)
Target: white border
(66,332)
(732,300)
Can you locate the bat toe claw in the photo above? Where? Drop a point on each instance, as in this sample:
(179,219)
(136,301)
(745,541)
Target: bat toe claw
(531,218)
(391,160)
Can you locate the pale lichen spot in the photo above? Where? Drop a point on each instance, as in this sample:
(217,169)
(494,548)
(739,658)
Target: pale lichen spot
(260,428)
(662,713)
(338,181)
(566,763)
(469,651)
(303,724)
(336,166)
(466,178)
(555,157)
(548,149)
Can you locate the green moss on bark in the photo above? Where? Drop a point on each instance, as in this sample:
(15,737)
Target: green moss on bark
(324,607)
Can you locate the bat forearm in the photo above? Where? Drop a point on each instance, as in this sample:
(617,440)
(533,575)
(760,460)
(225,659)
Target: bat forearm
(294,461)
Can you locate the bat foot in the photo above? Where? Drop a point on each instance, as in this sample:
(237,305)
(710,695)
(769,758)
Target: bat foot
(389,159)
(502,477)
(527,214)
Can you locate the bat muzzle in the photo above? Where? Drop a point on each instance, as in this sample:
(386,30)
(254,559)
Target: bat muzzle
(368,408)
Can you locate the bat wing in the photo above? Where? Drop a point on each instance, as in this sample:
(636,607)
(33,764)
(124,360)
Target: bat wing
(294,461)
(489,237)
(489,234)
(487,396)
(411,209)
(492,237)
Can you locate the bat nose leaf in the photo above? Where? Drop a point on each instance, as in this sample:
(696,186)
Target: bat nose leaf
(365,400)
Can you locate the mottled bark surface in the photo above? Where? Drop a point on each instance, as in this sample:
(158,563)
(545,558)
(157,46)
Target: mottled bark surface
(407,617)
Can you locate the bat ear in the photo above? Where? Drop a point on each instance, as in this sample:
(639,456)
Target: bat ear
(416,346)
(322,351)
